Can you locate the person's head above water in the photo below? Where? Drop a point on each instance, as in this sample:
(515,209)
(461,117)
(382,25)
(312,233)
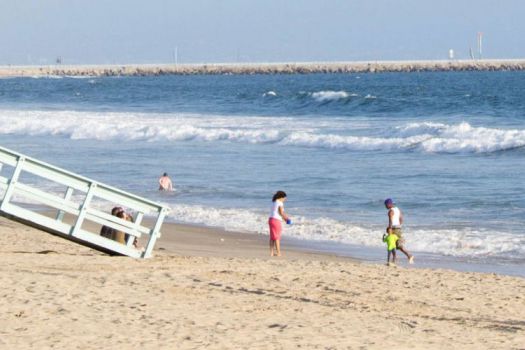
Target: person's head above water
(278,195)
(389,203)
(165,174)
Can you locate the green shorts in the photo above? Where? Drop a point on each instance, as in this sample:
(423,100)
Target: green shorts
(401,241)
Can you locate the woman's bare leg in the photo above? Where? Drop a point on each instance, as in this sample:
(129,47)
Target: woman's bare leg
(278,247)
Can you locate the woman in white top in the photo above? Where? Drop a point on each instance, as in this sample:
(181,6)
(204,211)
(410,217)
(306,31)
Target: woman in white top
(277,215)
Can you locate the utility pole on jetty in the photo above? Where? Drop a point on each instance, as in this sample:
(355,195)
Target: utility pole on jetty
(176,56)
(480,42)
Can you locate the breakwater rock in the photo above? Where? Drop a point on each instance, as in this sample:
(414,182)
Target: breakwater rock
(262,68)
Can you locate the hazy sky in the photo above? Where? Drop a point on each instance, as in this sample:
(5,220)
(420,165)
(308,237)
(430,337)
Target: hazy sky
(130,31)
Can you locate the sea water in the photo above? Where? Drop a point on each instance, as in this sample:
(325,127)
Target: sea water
(448,147)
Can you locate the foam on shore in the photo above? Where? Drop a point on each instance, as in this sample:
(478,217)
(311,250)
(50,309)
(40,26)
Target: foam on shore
(261,68)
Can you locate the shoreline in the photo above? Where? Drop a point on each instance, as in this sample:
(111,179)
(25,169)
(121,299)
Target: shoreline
(199,240)
(205,241)
(57,293)
(179,238)
(261,68)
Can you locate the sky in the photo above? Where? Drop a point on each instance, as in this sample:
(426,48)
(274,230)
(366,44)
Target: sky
(206,31)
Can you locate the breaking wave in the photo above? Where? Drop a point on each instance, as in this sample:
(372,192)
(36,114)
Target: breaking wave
(298,132)
(323,96)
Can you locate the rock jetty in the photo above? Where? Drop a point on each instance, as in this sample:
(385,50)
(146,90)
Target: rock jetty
(263,68)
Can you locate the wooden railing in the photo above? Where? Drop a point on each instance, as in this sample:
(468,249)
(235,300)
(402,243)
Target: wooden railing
(74,215)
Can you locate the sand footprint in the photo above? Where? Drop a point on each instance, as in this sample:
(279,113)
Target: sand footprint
(407,326)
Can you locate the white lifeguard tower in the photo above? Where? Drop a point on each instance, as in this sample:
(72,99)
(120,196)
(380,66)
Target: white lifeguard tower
(73,215)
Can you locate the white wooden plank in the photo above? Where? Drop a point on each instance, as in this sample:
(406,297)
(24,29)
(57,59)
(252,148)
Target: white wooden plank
(8,158)
(121,198)
(126,229)
(108,244)
(46,198)
(121,222)
(36,218)
(67,197)
(48,168)
(12,182)
(56,176)
(155,233)
(137,221)
(83,210)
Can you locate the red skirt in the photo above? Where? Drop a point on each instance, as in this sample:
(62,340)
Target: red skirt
(276,228)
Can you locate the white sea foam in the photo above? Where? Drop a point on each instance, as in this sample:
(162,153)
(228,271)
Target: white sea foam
(81,76)
(270,93)
(454,242)
(465,138)
(329,95)
(298,132)
(352,142)
(47,77)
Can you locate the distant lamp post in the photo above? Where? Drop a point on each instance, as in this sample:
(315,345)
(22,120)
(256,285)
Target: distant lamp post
(480,45)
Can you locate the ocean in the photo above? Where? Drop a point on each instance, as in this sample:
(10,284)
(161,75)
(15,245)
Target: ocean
(449,147)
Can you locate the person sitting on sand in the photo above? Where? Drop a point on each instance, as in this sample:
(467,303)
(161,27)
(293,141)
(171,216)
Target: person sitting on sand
(120,236)
(390,239)
(165,183)
(275,222)
(395,220)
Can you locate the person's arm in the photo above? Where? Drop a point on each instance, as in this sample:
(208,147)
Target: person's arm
(400,217)
(282,213)
(170,186)
(390,216)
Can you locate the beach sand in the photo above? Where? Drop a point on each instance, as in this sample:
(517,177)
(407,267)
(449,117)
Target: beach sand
(208,288)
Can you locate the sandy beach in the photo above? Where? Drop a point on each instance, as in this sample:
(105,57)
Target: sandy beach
(207,288)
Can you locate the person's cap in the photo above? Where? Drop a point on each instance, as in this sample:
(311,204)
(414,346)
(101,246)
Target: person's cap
(389,201)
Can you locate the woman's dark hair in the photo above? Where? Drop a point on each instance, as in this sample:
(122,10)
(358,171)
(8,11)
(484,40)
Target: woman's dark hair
(165,174)
(278,195)
(115,210)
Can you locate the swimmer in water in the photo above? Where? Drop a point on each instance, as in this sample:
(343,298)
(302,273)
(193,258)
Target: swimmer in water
(165,183)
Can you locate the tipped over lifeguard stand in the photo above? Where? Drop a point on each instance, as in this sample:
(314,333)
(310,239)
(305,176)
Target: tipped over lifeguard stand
(74,215)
